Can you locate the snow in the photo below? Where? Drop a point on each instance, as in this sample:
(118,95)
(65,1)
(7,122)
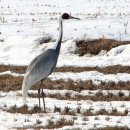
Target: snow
(121,51)
(11,73)
(23,24)
(20,51)
(18,120)
(113,121)
(82,93)
(95,76)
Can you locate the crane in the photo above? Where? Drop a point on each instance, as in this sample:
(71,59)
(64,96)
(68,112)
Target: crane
(43,65)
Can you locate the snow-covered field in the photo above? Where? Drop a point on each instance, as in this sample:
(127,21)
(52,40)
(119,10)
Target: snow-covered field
(24,23)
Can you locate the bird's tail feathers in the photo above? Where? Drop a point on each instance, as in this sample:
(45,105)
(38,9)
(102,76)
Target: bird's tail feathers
(24,92)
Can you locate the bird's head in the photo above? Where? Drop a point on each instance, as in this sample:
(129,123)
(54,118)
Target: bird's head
(66,16)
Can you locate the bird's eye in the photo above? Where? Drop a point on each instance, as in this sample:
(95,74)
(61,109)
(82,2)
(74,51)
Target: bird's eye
(65,16)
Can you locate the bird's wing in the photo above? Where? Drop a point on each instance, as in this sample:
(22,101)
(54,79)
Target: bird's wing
(32,63)
(41,67)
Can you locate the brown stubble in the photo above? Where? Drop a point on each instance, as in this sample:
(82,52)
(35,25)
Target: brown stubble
(95,46)
(106,70)
(11,83)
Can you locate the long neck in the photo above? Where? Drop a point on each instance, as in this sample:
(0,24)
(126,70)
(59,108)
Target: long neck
(60,36)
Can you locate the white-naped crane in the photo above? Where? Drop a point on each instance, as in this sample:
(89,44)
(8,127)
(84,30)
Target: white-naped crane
(43,65)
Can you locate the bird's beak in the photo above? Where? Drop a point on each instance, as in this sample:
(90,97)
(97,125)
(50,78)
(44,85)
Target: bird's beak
(71,17)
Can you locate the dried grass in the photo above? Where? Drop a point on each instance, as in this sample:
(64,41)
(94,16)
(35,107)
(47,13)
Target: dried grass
(10,83)
(98,97)
(114,128)
(24,110)
(106,70)
(97,45)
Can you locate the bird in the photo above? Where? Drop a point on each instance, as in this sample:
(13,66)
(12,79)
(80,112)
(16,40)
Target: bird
(43,65)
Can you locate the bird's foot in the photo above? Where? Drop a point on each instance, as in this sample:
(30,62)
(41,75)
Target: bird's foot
(24,102)
(43,94)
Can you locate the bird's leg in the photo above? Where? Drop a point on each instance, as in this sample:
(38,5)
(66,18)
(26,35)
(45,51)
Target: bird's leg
(40,92)
(39,95)
(43,95)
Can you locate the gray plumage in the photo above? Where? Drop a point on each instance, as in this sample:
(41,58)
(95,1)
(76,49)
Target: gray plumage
(43,65)
(40,68)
